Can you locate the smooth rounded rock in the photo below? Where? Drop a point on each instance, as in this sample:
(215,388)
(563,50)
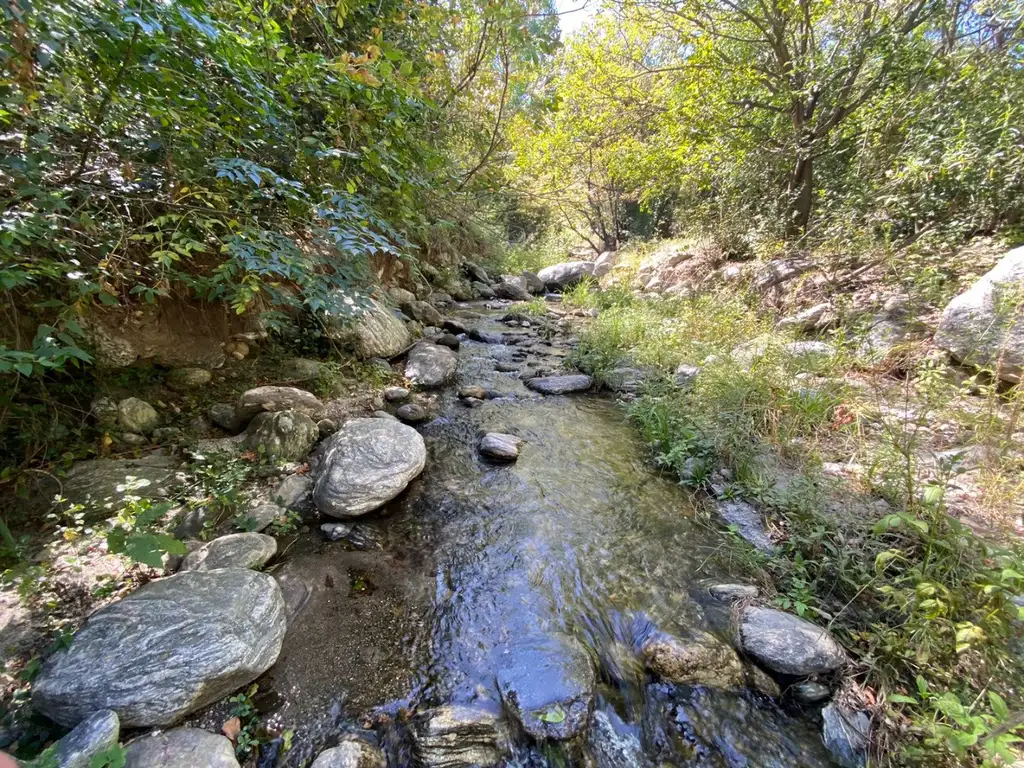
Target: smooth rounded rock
(430,365)
(810,692)
(236,550)
(138,416)
(371,329)
(227,417)
(301,369)
(180,748)
(567,274)
(448,340)
(365,464)
(287,435)
(500,447)
(728,593)
(169,649)
(787,644)
(396,394)
(473,391)
(412,413)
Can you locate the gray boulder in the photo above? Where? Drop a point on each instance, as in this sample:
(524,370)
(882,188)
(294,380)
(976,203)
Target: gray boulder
(412,413)
(287,435)
(351,753)
(500,447)
(93,736)
(169,649)
(787,644)
(365,464)
(483,289)
(227,417)
(567,274)
(475,272)
(270,399)
(180,748)
(423,312)
(560,385)
(701,659)
(459,737)
(373,330)
(625,379)
(779,272)
(814,318)
(294,492)
(533,283)
(810,692)
(138,416)
(846,735)
(984,326)
(430,365)
(686,374)
(260,516)
(548,688)
(519,281)
(104,412)
(236,550)
(510,291)
(396,394)
(98,483)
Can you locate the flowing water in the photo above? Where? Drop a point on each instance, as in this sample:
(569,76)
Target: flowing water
(481,571)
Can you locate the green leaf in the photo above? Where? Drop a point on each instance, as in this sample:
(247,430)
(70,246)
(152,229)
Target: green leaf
(999,708)
(553,716)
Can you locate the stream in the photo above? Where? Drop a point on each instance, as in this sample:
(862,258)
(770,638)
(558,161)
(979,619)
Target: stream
(485,578)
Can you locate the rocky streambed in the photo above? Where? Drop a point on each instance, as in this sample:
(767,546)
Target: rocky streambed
(502,580)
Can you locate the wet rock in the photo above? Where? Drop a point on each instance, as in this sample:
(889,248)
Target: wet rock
(351,753)
(729,593)
(170,648)
(396,394)
(560,385)
(227,417)
(180,748)
(747,521)
(846,733)
(473,391)
(787,644)
(762,682)
(483,289)
(567,274)
(366,464)
(472,402)
(335,531)
(184,379)
(284,435)
(412,413)
(506,367)
(447,340)
(138,416)
(455,326)
(301,369)
(236,550)
(100,482)
(273,399)
(983,326)
(294,492)
(701,659)
(611,745)
(430,366)
(423,312)
(510,291)
(94,735)
(686,374)
(459,737)
(374,332)
(549,688)
(500,447)
(810,692)
(486,337)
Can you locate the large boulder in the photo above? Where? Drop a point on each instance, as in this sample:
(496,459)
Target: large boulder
(365,464)
(169,649)
(567,274)
(423,312)
(984,326)
(475,272)
(459,737)
(288,435)
(236,550)
(180,748)
(533,283)
(430,365)
(511,291)
(787,644)
(373,330)
(260,399)
(548,687)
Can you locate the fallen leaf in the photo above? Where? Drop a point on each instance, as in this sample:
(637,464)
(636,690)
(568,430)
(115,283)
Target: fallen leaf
(232,728)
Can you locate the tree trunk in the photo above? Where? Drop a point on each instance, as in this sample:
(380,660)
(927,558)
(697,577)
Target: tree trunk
(801,195)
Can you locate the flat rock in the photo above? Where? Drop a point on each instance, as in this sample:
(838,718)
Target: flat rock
(430,365)
(455,327)
(96,734)
(567,274)
(747,521)
(261,399)
(260,516)
(365,464)
(100,482)
(169,649)
(351,753)
(548,687)
(486,337)
(787,644)
(236,550)
(294,492)
(284,435)
(180,748)
(500,447)
(560,385)
(459,736)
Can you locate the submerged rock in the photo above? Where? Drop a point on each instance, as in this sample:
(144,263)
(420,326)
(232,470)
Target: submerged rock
(236,550)
(500,447)
(171,648)
(180,748)
(846,733)
(699,660)
(560,385)
(351,753)
(459,736)
(96,734)
(365,464)
(287,435)
(787,644)
(430,366)
(548,688)
(613,747)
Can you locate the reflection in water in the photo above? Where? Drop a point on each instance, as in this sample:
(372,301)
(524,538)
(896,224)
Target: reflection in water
(504,570)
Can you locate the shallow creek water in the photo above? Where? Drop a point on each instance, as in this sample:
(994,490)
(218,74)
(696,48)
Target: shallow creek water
(485,570)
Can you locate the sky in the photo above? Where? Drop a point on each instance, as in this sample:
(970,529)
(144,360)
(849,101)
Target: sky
(573,14)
